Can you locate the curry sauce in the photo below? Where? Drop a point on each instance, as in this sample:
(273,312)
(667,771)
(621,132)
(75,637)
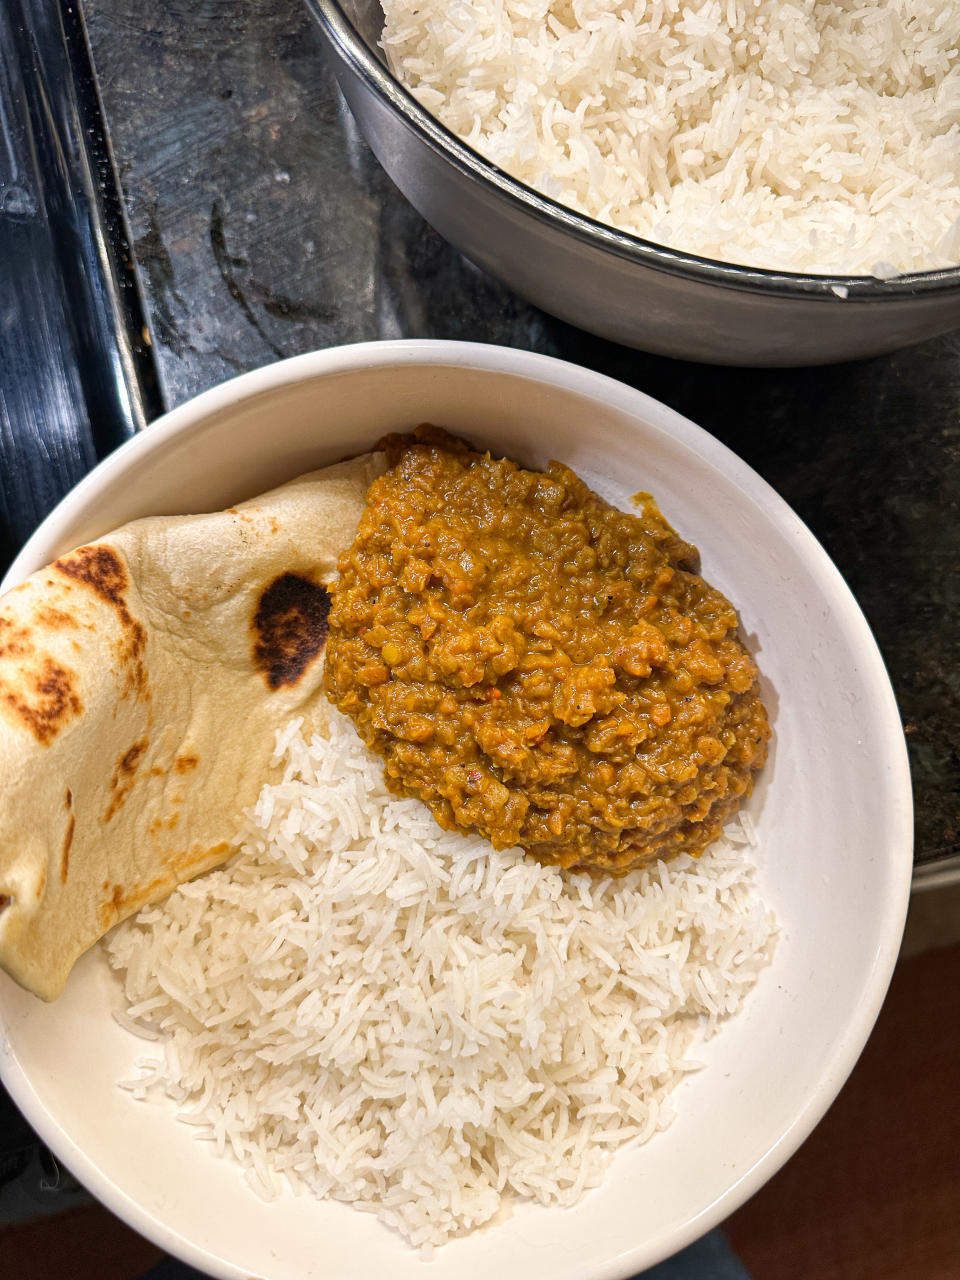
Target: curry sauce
(538,666)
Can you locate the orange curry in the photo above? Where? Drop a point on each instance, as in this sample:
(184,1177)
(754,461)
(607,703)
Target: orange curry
(538,666)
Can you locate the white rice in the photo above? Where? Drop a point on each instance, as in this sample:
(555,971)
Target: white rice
(791,134)
(365,1007)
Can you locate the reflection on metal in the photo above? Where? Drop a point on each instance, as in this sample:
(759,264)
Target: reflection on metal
(937,875)
(15,199)
(75,376)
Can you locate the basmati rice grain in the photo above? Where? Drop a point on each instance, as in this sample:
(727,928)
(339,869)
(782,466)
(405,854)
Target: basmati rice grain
(417,1024)
(815,137)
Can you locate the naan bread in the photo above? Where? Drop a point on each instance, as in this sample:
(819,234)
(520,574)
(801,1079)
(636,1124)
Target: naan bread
(142,681)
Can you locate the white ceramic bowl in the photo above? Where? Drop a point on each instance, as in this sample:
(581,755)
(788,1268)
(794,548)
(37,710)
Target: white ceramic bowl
(833,811)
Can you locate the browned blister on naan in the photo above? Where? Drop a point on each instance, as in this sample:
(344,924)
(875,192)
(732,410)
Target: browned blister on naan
(142,681)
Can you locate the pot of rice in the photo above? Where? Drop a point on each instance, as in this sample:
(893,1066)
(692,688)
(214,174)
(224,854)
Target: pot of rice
(364,1040)
(752,184)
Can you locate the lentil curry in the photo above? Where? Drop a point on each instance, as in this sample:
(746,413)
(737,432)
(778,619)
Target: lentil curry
(538,666)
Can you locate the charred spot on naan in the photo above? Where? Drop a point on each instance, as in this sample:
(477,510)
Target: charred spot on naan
(109,911)
(101,569)
(185,762)
(44,699)
(185,863)
(181,864)
(168,823)
(14,640)
(124,775)
(54,619)
(98,567)
(290,628)
(67,836)
(6,900)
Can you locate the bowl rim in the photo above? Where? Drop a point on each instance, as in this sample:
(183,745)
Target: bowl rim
(839,289)
(576,380)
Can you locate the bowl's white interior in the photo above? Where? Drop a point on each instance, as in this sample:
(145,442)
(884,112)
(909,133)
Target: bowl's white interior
(833,811)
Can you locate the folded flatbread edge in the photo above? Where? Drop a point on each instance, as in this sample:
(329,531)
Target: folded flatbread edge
(143,679)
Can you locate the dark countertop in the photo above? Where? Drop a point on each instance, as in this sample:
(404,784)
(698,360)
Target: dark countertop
(262,227)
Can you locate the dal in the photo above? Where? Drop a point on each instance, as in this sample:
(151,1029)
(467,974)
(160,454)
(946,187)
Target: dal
(538,666)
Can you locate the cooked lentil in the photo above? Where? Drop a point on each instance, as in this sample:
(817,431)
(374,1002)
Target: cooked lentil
(538,666)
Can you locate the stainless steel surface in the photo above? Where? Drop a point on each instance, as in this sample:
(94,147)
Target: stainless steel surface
(944,874)
(614,284)
(75,377)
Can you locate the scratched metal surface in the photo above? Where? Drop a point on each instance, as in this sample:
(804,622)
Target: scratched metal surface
(74,379)
(263,228)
